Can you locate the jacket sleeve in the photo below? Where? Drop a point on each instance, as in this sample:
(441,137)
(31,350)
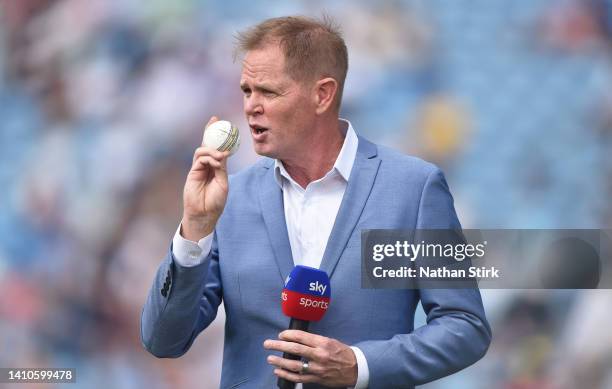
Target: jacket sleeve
(182,302)
(457,333)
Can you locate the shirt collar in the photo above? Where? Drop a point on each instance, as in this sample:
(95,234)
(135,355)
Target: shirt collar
(344,162)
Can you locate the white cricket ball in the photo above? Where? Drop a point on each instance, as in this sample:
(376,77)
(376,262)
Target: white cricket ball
(222,135)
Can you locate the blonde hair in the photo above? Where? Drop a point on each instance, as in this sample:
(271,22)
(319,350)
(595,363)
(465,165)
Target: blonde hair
(313,48)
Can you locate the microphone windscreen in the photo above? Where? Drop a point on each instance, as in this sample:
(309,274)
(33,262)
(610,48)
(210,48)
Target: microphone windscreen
(306,294)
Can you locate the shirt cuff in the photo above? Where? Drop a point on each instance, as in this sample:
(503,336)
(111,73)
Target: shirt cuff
(188,253)
(363,373)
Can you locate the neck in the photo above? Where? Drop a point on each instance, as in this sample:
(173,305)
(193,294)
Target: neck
(321,154)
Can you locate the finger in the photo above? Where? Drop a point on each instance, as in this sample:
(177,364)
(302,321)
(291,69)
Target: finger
(290,347)
(303,337)
(205,162)
(208,151)
(291,365)
(287,364)
(294,377)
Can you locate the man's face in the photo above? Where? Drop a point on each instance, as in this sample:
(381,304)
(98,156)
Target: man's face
(278,108)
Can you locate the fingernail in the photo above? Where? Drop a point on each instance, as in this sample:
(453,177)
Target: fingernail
(267,343)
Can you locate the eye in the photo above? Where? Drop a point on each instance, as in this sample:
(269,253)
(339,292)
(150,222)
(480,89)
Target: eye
(268,93)
(246,91)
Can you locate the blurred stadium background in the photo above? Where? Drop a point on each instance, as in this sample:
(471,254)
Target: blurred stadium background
(102,103)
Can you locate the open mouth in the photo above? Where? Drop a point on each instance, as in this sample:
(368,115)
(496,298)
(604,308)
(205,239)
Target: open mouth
(258,129)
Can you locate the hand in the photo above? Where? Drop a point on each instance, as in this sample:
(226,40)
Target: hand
(330,362)
(205,191)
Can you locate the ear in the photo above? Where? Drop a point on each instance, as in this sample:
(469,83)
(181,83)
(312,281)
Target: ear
(324,93)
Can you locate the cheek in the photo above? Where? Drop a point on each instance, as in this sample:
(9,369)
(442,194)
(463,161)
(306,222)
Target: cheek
(288,115)
(281,113)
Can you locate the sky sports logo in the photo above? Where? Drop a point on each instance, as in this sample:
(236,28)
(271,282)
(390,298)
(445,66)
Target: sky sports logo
(308,286)
(307,302)
(304,306)
(307,293)
(317,287)
(313,286)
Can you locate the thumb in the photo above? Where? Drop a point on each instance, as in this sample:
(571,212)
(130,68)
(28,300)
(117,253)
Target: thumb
(221,171)
(224,159)
(211,121)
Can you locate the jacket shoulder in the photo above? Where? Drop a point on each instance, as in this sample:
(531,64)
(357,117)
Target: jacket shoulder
(399,162)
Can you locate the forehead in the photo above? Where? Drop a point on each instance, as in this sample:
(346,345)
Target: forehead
(264,64)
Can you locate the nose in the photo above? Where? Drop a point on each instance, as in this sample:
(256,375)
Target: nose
(252,105)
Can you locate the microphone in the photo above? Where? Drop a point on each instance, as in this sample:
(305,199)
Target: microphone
(305,298)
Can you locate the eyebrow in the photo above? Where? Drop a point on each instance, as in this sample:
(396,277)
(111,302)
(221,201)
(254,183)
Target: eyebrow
(260,87)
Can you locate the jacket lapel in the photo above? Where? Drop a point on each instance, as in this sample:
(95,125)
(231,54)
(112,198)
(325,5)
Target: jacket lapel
(273,212)
(357,192)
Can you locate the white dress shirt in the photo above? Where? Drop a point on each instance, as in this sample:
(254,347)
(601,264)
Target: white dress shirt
(310,214)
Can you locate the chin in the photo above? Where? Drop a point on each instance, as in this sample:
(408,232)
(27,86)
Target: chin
(264,150)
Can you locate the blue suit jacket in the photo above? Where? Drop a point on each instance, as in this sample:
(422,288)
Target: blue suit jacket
(251,258)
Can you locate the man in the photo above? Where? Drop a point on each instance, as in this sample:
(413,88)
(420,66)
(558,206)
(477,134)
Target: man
(306,203)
